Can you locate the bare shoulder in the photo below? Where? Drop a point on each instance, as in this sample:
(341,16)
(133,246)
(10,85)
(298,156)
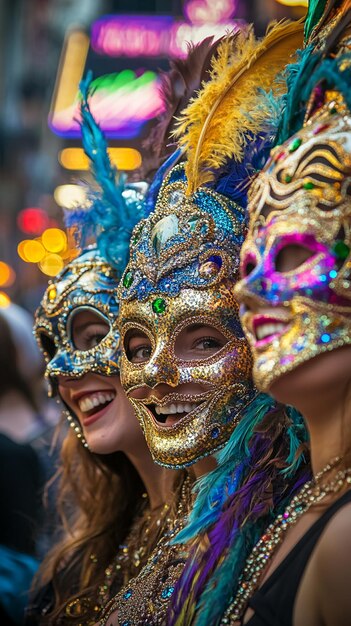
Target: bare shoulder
(333,571)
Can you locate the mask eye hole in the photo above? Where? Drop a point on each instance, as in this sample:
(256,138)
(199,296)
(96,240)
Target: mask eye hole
(137,346)
(291,256)
(198,341)
(47,345)
(248,264)
(87,328)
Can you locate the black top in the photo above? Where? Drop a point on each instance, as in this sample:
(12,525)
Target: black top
(274,602)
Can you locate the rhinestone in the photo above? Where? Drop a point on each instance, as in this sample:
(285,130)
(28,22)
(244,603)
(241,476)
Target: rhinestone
(165,229)
(52,293)
(295,144)
(159,306)
(341,250)
(127,280)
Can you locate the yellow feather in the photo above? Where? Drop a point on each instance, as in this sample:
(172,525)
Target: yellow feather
(215,125)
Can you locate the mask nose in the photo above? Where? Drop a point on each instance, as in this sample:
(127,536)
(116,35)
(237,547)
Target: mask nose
(161,369)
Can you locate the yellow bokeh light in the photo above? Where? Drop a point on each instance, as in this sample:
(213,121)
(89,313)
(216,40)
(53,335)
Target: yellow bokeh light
(51,264)
(294,3)
(70,196)
(54,240)
(4,300)
(123,158)
(31,250)
(7,275)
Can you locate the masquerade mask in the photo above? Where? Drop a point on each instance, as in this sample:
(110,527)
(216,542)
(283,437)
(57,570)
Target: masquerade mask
(183,265)
(296,263)
(87,284)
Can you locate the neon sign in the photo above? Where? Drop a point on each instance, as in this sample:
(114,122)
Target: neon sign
(133,36)
(121,103)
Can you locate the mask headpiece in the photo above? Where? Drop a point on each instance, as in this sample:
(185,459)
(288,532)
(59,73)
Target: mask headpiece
(302,201)
(89,282)
(184,256)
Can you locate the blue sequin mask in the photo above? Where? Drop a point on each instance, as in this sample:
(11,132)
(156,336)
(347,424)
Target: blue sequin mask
(183,266)
(87,283)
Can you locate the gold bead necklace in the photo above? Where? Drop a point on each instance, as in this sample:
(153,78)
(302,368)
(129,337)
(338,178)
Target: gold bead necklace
(311,493)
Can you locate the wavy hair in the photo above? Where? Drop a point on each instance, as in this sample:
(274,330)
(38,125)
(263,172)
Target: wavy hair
(98,498)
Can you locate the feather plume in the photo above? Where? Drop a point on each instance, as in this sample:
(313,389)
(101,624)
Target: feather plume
(113,209)
(178,86)
(218,123)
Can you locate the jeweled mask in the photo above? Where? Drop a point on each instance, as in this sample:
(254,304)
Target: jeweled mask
(300,204)
(87,283)
(183,266)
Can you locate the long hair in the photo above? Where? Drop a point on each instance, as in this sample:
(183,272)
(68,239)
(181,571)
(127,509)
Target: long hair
(98,497)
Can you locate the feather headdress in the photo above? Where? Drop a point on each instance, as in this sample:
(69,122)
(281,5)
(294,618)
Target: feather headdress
(223,117)
(115,208)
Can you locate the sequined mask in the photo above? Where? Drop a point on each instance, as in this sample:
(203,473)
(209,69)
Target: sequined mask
(182,269)
(302,198)
(87,283)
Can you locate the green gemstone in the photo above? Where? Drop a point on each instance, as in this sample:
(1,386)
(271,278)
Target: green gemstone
(309,185)
(341,250)
(288,178)
(159,306)
(137,235)
(127,280)
(295,144)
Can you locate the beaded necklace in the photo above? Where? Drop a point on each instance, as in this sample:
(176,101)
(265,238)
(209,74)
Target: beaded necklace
(146,598)
(130,558)
(311,493)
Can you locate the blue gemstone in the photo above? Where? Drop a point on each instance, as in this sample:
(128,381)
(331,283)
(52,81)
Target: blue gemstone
(333,274)
(167,592)
(323,278)
(215,433)
(126,624)
(325,338)
(128,594)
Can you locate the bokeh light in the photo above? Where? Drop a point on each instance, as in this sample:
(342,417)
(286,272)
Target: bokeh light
(33,221)
(7,275)
(4,300)
(51,264)
(54,240)
(123,158)
(70,196)
(31,250)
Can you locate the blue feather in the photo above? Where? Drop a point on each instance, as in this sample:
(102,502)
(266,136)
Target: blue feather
(112,211)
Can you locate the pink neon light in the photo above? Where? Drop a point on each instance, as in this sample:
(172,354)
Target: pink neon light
(209,11)
(146,36)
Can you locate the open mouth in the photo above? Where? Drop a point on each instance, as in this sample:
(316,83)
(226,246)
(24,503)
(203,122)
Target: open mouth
(94,402)
(170,411)
(267,328)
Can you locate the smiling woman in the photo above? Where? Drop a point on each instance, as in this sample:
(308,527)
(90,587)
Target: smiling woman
(106,539)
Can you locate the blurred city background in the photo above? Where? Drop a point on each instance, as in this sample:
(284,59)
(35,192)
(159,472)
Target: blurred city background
(47,47)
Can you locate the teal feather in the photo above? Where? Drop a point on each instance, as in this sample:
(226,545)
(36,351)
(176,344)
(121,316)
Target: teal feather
(315,11)
(214,488)
(113,210)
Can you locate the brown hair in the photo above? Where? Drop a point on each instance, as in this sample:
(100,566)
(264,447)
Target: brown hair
(98,497)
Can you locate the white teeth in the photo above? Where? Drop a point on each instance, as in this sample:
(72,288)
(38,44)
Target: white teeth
(95,400)
(265,330)
(171,409)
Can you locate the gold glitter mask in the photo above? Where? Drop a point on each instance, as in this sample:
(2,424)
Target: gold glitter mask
(300,207)
(181,274)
